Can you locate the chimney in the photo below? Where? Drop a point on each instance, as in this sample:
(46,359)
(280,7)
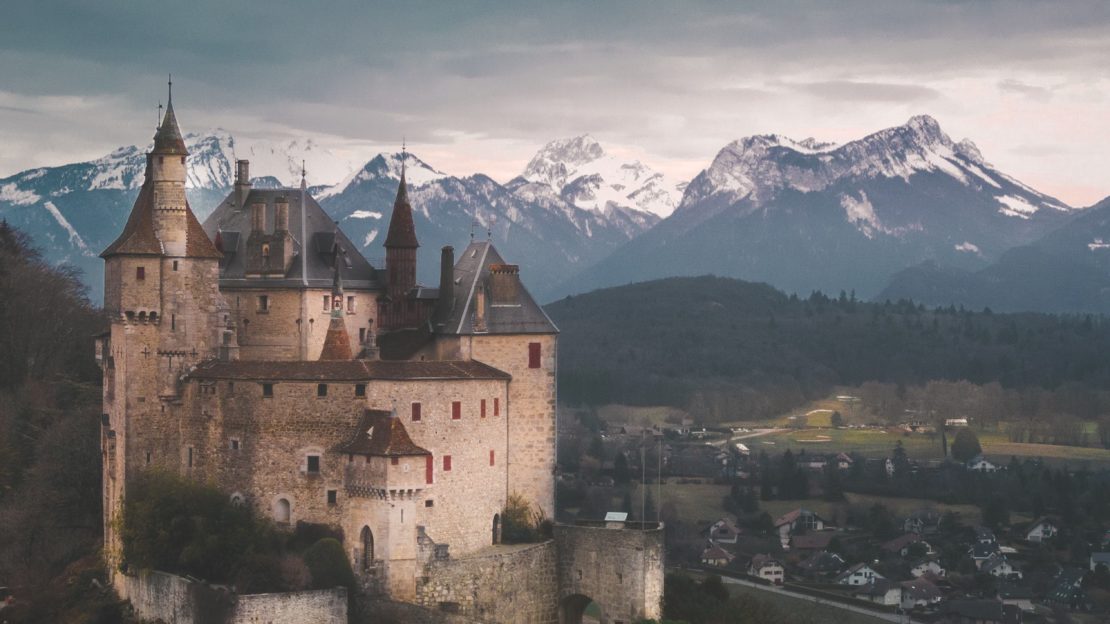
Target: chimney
(480,309)
(281,214)
(258,218)
(504,284)
(229,345)
(446,281)
(242,181)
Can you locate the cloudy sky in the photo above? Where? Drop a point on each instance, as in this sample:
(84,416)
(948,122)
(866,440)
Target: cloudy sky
(478,86)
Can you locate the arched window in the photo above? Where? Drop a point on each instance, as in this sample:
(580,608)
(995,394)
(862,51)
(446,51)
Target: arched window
(282,511)
(237,499)
(496,528)
(367,539)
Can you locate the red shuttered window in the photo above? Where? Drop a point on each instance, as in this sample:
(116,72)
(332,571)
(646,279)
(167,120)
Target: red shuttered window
(483,408)
(446,463)
(456,410)
(533,355)
(491,461)
(496,406)
(429,469)
(415,412)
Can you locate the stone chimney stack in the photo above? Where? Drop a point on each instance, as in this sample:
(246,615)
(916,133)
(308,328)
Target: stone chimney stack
(258,218)
(242,181)
(504,282)
(446,281)
(281,215)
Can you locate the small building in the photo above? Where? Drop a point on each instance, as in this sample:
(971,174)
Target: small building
(999,567)
(795,521)
(980,464)
(766,567)
(844,461)
(724,531)
(615,519)
(901,545)
(1098,558)
(1067,591)
(859,574)
(1020,596)
(822,564)
(955,422)
(927,566)
(922,522)
(980,552)
(984,535)
(881,592)
(1042,529)
(919,594)
(811,542)
(716,556)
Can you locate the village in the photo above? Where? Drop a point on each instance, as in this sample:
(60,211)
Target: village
(887,536)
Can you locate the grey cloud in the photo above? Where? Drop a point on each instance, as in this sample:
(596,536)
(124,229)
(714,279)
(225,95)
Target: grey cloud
(1009,85)
(848,90)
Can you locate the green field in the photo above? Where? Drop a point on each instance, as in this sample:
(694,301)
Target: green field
(804,611)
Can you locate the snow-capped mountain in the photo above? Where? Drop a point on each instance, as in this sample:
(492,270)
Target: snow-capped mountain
(546,236)
(74,211)
(806,215)
(578,171)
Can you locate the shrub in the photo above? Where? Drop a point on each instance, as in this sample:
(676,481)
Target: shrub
(328,565)
(521,524)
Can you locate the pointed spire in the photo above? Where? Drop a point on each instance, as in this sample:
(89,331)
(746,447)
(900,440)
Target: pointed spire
(168,139)
(402,230)
(304,185)
(337,278)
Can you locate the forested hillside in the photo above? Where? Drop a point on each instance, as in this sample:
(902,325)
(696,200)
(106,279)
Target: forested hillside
(689,341)
(50,512)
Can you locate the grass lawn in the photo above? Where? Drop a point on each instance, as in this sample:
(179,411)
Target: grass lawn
(804,610)
(696,502)
(867,442)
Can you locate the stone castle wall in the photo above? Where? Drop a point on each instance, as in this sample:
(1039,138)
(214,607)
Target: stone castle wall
(620,569)
(274,334)
(531,404)
(509,584)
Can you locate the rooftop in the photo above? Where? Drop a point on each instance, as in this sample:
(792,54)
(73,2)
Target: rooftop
(345,370)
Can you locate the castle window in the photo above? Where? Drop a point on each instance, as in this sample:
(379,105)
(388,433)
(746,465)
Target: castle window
(267,390)
(361,335)
(350,305)
(265,251)
(360,390)
(313,466)
(483,408)
(393,461)
(173,322)
(237,499)
(321,390)
(333,498)
(190,460)
(161,160)
(140,273)
(183,160)
(233,444)
(456,410)
(327,303)
(416,414)
(446,463)
(231,386)
(175,265)
(496,406)
(533,355)
(263,303)
(429,503)
(491,458)
(148,457)
(429,469)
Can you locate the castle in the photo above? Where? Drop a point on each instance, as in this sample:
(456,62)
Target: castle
(261,352)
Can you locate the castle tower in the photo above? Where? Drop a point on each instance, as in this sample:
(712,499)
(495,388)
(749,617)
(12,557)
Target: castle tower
(161,294)
(400,260)
(337,345)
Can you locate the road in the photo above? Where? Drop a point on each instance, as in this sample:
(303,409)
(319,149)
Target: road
(889,617)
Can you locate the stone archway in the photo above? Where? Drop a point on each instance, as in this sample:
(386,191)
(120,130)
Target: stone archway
(367,540)
(580,609)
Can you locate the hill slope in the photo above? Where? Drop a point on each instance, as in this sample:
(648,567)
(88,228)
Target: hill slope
(759,351)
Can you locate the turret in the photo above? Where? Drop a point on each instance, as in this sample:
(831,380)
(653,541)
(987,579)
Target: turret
(401,244)
(337,345)
(166,165)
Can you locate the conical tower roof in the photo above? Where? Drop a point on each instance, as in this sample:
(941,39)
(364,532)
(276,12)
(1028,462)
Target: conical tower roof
(402,231)
(168,139)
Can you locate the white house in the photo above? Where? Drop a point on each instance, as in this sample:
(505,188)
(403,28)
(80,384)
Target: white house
(980,464)
(881,592)
(724,531)
(919,594)
(767,568)
(716,556)
(797,520)
(927,566)
(998,567)
(859,574)
(1042,529)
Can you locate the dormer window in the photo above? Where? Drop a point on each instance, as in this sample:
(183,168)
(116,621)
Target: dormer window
(265,252)
(350,305)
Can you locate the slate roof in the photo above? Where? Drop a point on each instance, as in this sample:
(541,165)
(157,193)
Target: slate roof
(168,139)
(345,370)
(233,224)
(472,272)
(381,433)
(402,230)
(823,562)
(138,237)
(921,589)
(898,543)
(814,540)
